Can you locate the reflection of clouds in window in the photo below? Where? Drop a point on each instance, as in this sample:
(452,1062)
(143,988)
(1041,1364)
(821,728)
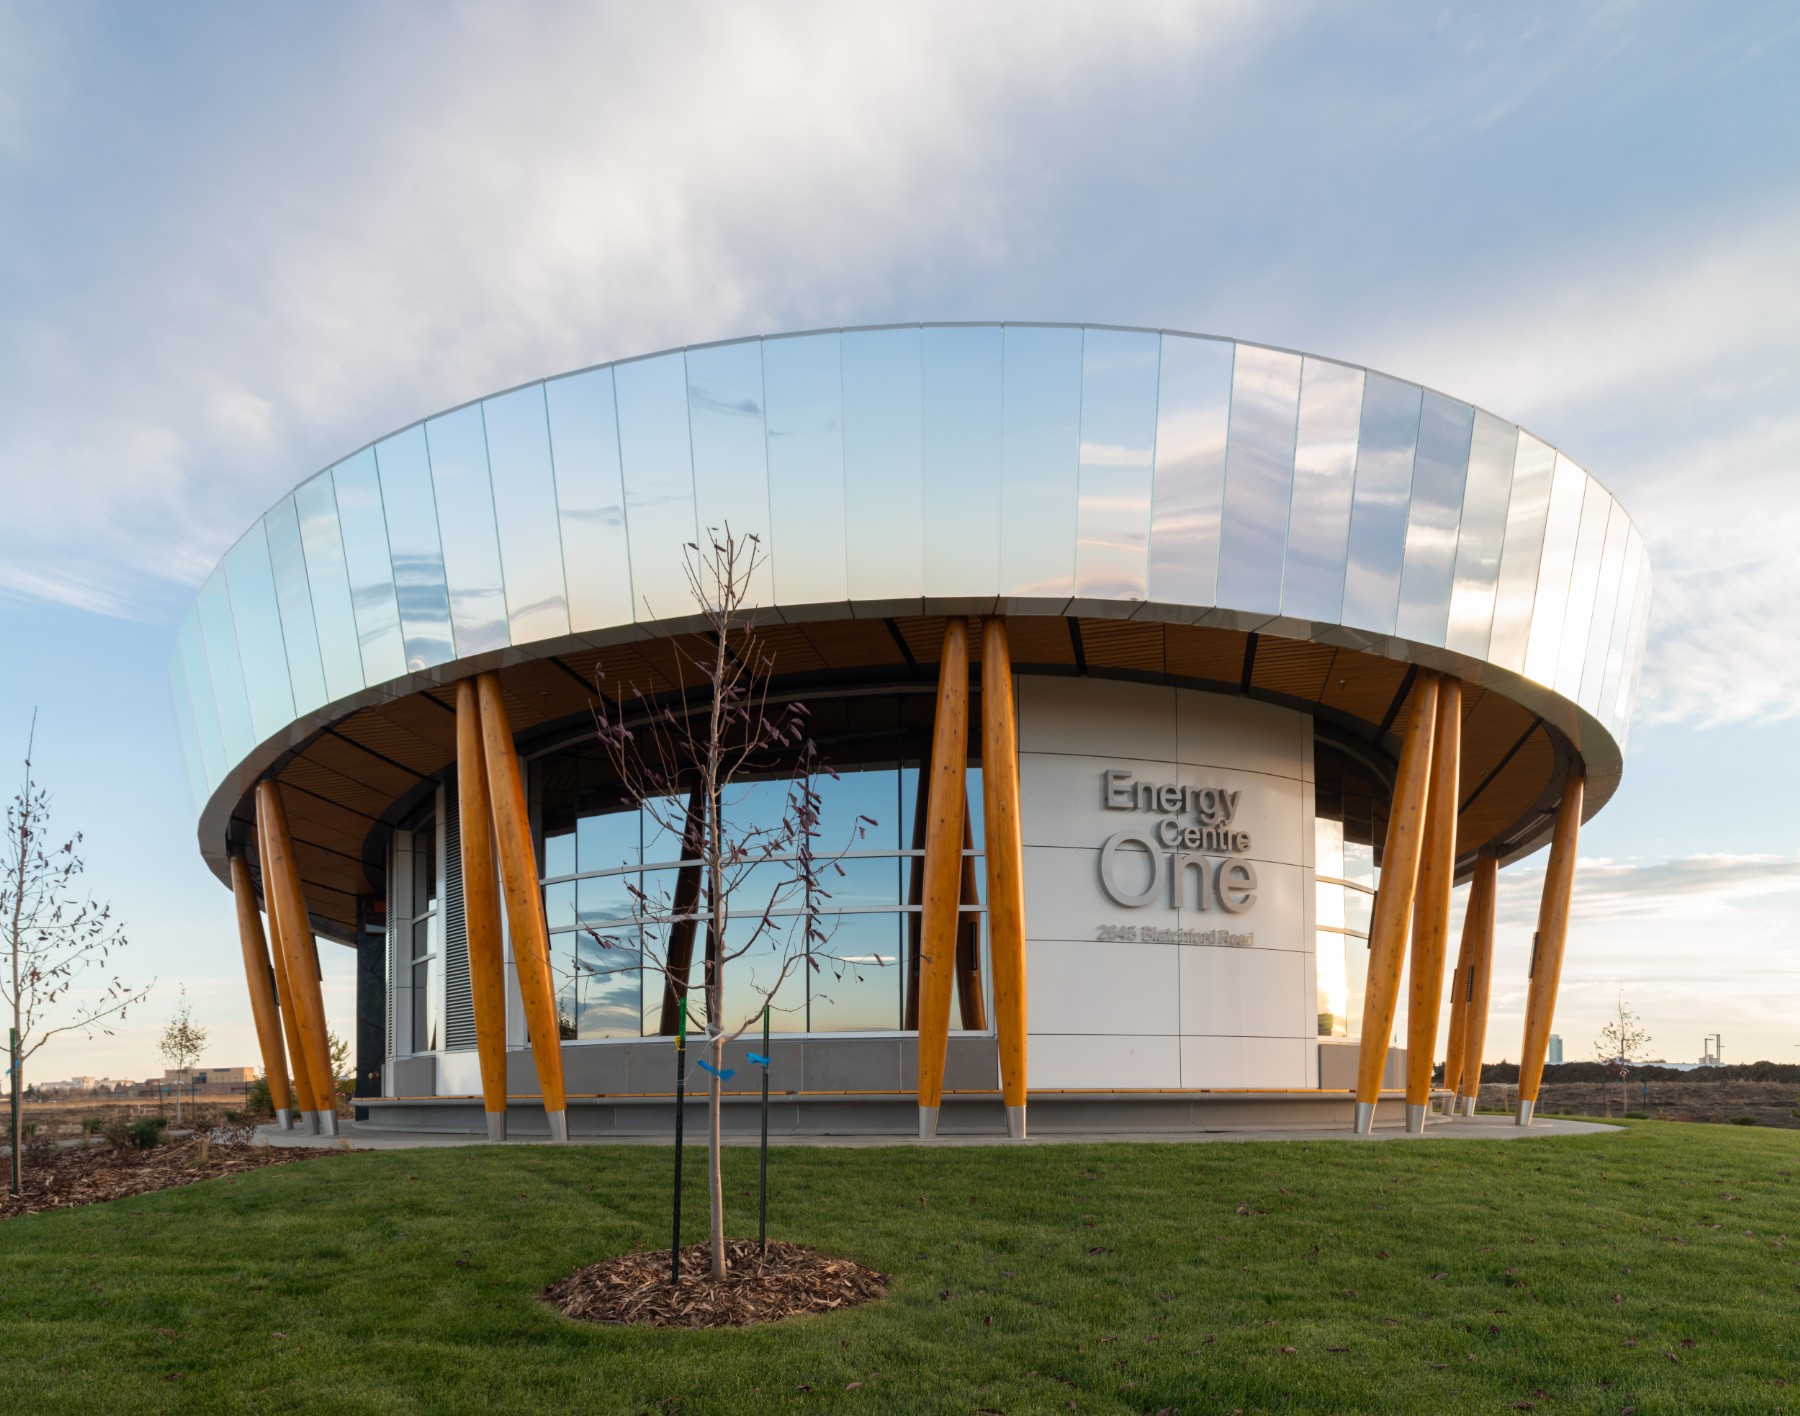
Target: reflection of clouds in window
(1350,811)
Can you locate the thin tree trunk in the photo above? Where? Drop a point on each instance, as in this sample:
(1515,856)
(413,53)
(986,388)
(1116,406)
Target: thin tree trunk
(14,1058)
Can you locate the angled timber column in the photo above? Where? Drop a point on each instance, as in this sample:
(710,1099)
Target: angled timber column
(263,1009)
(1005,865)
(1394,900)
(281,881)
(1431,903)
(290,1027)
(1547,945)
(941,890)
(1454,1043)
(524,900)
(971,1006)
(1473,987)
(481,907)
(678,961)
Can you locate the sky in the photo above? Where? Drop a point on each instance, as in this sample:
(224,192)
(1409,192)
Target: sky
(237,242)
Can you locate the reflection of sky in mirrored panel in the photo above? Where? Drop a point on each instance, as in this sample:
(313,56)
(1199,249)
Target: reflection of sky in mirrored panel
(369,567)
(1562,529)
(731,472)
(191,652)
(328,580)
(1440,473)
(1618,643)
(1592,668)
(659,483)
(465,516)
(883,475)
(1118,445)
(412,526)
(525,514)
(188,730)
(1259,478)
(287,561)
(608,986)
(803,387)
(1384,467)
(858,983)
(1040,446)
(590,498)
(1584,583)
(250,579)
(960,394)
(1318,537)
(224,667)
(1193,408)
(1534,466)
(1634,659)
(1482,534)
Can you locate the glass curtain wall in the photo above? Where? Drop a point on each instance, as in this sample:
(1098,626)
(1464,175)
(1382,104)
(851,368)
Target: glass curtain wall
(420,955)
(612,872)
(1349,822)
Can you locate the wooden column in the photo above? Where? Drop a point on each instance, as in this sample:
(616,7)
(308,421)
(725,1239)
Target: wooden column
(1547,944)
(481,907)
(1473,987)
(971,1006)
(1394,900)
(290,1027)
(942,875)
(1005,854)
(1431,903)
(281,881)
(915,895)
(678,959)
(263,1009)
(524,901)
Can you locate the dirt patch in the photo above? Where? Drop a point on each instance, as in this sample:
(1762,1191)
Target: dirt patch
(94,1174)
(788,1281)
(1771,1103)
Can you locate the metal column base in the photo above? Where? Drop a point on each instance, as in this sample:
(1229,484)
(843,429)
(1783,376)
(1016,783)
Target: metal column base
(928,1123)
(309,1122)
(1015,1122)
(1465,1106)
(284,1118)
(1365,1117)
(496,1125)
(1524,1116)
(328,1123)
(559,1124)
(1415,1119)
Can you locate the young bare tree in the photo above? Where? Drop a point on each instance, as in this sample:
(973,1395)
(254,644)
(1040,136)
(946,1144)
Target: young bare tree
(57,939)
(1621,1046)
(756,884)
(182,1043)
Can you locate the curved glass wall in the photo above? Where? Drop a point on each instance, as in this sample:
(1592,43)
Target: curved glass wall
(1349,823)
(612,871)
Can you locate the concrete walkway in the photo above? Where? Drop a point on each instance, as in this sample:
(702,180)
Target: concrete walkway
(363,1136)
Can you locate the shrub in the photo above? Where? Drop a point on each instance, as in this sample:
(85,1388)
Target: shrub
(144,1134)
(1637,1115)
(1743,1120)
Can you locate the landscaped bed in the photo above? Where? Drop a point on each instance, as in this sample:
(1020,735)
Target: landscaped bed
(1647,1268)
(57,1177)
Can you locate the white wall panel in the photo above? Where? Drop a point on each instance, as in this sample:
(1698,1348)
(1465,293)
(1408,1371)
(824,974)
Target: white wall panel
(1139,1062)
(1246,1061)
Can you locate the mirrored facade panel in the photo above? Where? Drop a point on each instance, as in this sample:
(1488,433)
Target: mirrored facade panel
(525,515)
(1040,460)
(371,570)
(1550,606)
(189,732)
(590,499)
(658,466)
(804,392)
(1386,442)
(1318,539)
(1619,639)
(1534,467)
(328,582)
(961,392)
(1259,478)
(883,463)
(1584,583)
(1119,372)
(191,655)
(287,559)
(1592,671)
(1193,411)
(1634,654)
(731,459)
(225,668)
(410,508)
(463,488)
(1440,477)
(1493,445)
(250,580)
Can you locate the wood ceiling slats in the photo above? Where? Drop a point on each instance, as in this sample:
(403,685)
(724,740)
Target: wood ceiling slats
(1040,641)
(1362,685)
(854,644)
(1199,652)
(1126,645)
(1291,667)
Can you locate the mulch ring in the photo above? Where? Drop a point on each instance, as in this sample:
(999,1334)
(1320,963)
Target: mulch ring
(788,1281)
(94,1174)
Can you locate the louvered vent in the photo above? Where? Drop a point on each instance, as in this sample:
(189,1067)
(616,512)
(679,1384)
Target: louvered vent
(459,1003)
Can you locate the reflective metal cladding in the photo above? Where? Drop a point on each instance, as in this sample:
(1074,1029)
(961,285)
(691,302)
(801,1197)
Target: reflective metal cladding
(919,468)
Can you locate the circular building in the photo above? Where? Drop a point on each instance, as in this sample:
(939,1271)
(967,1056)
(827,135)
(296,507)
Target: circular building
(1169,682)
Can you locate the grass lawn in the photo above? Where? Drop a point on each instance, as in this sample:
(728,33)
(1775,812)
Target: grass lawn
(1647,1268)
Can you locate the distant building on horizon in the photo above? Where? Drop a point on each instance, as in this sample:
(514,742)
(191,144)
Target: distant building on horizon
(1554,1055)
